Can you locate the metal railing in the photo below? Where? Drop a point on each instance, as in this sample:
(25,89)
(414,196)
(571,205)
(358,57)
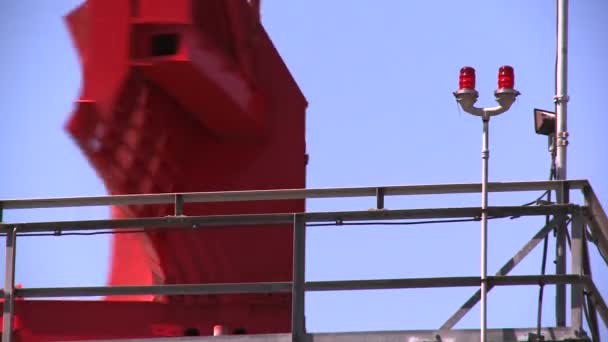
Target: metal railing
(589,215)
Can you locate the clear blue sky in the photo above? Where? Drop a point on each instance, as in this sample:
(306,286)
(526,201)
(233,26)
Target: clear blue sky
(378,76)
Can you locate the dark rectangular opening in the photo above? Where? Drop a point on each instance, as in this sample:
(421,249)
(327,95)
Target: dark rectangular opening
(164,44)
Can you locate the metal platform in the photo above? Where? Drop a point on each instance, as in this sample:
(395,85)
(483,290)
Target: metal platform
(589,223)
(495,335)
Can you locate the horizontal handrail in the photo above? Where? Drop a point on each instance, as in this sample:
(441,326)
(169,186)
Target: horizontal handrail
(168,289)
(196,222)
(274,287)
(266,195)
(341,285)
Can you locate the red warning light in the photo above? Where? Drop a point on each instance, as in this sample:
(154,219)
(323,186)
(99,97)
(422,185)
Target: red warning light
(506,77)
(467,78)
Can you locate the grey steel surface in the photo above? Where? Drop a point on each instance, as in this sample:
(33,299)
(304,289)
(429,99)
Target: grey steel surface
(253,219)
(504,270)
(298,327)
(259,195)
(9,285)
(495,335)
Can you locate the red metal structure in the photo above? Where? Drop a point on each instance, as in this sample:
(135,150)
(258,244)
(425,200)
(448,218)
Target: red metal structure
(179,96)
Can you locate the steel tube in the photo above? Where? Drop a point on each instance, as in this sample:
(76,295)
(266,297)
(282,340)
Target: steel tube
(379,198)
(298,327)
(316,286)
(259,195)
(561,96)
(561,103)
(178,289)
(485,155)
(560,260)
(411,283)
(9,286)
(197,222)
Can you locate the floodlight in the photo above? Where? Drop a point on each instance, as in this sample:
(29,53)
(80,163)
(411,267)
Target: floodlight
(544,121)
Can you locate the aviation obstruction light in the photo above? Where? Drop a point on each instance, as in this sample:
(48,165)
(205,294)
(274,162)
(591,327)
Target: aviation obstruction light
(467,78)
(466,95)
(505,95)
(506,77)
(544,122)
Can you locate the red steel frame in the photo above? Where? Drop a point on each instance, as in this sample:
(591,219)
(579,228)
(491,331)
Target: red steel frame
(179,96)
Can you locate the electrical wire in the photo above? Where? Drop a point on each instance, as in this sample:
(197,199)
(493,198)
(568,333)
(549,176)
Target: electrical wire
(541,289)
(139,231)
(392,223)
(90,233)
(329,224)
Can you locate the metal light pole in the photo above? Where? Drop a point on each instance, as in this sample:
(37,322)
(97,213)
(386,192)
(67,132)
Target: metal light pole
(466,96)
(561,137)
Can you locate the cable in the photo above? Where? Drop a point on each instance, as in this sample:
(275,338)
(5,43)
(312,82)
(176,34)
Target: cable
(542,286)
(547,193)
(139,231)
(337,223)
(392,223)
(400,223)
(102,232)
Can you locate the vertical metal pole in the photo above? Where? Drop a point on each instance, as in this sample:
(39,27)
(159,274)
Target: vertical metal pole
(297,291)
(379,198)
(560,260)
(561,98)
(576,247)
(561,101)
(485,156)
(9,286)
(179,205)
(560,257)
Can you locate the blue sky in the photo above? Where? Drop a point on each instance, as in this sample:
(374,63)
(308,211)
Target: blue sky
(378,77)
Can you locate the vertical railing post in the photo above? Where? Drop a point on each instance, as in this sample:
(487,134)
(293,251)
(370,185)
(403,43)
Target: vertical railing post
(179,205)
(379,198)
(576,303)
(298,328)
(9,286)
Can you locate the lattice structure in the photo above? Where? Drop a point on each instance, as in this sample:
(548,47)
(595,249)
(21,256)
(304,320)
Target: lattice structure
(589,223)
